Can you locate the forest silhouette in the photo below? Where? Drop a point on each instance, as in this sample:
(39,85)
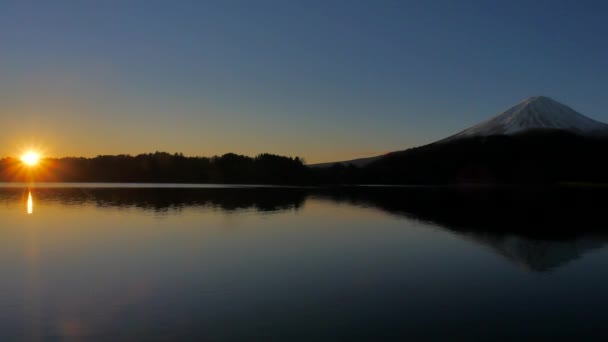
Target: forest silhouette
(161,167)
(538,157)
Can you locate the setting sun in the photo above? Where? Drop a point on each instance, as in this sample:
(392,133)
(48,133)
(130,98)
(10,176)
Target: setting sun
(30,158)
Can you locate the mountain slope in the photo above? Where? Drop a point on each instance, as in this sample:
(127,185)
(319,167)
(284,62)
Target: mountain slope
(534,114)
(533,156)
(534,121)
(359,162)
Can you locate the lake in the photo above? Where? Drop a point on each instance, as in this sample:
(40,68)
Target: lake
(230,263)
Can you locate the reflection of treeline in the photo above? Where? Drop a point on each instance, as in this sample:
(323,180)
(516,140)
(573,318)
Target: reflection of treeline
(539,227)
(163,199)
(162,167)
(554,211)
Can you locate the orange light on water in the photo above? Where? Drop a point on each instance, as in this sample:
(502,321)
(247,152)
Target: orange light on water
(30,204)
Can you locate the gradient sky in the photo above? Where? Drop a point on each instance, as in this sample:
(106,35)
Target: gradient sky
(324,80)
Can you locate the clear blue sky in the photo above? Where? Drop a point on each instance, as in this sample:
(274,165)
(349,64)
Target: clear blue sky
(325,80)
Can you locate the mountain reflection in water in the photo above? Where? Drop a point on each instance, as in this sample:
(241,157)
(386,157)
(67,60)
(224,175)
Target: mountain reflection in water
(537,228)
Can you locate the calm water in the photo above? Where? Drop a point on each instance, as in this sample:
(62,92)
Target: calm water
(243,263)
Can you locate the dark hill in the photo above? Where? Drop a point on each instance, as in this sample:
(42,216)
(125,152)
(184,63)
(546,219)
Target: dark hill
(534,156)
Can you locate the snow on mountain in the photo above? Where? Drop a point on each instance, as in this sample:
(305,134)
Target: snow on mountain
(539,112)
(534,113)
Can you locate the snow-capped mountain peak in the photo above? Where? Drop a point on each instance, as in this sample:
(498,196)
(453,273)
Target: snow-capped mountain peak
(533,113)
(538,112)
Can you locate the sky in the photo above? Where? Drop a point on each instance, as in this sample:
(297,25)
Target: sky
(323,80)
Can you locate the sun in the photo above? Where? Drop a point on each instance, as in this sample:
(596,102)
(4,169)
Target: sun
(30,158)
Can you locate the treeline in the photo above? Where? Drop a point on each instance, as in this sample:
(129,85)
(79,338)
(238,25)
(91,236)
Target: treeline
(531,158)
(162,167)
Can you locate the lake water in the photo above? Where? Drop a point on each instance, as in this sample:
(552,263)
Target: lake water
(215,263)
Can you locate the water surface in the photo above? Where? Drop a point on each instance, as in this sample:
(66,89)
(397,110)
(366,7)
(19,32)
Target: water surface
(87,262)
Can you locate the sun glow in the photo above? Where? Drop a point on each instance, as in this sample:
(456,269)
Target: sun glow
(30,158)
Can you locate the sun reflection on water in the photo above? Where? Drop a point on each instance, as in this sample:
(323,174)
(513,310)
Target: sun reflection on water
(30,203)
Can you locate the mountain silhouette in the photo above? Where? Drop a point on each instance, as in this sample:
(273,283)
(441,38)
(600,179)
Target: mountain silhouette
(532,115)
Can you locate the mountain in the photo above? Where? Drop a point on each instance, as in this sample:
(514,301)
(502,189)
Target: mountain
(530,157)
(533,116)
(535,113)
